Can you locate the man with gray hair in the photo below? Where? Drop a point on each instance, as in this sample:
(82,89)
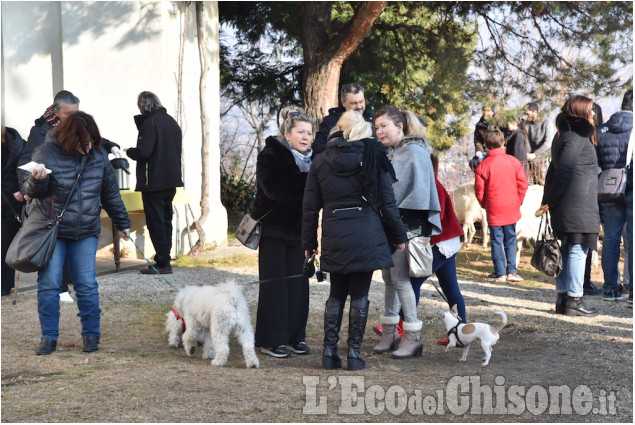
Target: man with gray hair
(352,97)
(64,104)
(158,156)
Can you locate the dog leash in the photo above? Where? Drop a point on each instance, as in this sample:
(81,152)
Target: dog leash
(153,268)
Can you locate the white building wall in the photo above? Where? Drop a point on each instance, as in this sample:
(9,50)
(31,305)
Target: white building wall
(106,53)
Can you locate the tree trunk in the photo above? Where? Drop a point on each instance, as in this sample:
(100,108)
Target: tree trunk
(202,49)
(323,57)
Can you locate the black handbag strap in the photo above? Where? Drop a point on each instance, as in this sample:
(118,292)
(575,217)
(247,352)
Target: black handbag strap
(547,232)
(81,170)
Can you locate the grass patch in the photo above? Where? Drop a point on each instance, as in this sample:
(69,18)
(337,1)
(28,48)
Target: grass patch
(235,260)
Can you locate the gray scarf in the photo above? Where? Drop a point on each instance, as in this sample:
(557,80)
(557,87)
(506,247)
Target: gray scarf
(302,159)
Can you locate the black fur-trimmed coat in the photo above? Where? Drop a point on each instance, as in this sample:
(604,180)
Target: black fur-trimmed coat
(279,189)
(571,185)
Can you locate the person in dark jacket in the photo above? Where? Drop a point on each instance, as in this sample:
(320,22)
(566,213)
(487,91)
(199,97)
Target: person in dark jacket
(516,143)
(64,104)
(12,199)
(283,300)
(66,148)
(352,182)
(158,156)
(613,137)
(571,192)
(352,98)
(479,131)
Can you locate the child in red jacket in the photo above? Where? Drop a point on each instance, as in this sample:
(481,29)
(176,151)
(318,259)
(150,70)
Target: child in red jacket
(500,187)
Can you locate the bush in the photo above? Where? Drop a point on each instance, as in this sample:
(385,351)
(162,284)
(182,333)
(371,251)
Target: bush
(237,194)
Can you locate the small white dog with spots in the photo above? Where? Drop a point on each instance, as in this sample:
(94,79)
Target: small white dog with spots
(465,333)
(211,313)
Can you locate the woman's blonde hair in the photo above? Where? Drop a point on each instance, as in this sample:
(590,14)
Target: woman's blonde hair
(412,126)
(354,127)
(290,116)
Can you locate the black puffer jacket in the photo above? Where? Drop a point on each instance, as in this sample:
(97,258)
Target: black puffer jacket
(279,191)
(11,150)
(613,138)
(158,152)
(571,186)
(353,239)
(96,188)
(37,136)
(329,121)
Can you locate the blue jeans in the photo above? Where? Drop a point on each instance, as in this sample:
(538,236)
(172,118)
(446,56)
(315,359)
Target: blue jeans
(445,269)
(81,256)
(503,248)
(613,216)
(571,279)
(628,198)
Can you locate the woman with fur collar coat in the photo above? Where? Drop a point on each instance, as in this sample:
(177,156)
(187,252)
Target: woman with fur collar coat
(571,197)
(283,301)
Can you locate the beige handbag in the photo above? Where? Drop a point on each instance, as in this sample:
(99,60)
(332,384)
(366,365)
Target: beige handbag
(419,257)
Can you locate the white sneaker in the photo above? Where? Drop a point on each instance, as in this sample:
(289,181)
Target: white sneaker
(65,297)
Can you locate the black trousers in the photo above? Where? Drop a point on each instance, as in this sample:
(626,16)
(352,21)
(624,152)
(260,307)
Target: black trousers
(9,228)
(283,304)
(157,206)
(356,285)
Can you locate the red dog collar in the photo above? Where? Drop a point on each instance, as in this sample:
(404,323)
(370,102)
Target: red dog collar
(178,317)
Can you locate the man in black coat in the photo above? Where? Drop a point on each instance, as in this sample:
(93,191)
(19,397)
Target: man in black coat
(158,156)
(352,97)
(479,135)
(12,145)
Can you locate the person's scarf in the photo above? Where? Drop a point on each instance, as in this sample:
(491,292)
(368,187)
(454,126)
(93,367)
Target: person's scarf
(50,117)
(302,159)
(374,163)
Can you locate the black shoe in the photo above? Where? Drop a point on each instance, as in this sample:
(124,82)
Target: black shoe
(576,307)
(612,296)
(91,343)
(299,348)
(591,290)
(46,347)
(165,269)
(561,303)
(279,352)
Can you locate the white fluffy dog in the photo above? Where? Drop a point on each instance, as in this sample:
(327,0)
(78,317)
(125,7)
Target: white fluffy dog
(210,313)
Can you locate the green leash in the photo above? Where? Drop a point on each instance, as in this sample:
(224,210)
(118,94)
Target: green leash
(153,268)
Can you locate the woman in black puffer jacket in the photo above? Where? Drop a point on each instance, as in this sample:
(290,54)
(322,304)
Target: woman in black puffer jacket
(65,148)
(352,182)
(571,197)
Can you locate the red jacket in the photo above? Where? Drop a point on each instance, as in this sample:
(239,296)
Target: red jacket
(449,223)
(500,185)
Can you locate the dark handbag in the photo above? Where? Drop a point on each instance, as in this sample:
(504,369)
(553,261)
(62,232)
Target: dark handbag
(612,185)
(32,247)
(249,230)
(547,256)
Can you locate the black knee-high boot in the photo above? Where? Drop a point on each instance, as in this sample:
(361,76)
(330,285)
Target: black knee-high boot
(357,318)
(332,321)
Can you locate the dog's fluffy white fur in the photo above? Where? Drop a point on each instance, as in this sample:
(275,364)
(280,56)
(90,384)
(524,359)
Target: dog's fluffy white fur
(210,314)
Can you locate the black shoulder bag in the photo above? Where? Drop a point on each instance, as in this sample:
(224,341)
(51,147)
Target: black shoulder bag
(33,245)
(547,256)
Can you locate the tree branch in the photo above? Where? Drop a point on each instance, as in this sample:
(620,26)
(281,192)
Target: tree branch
(544,40)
